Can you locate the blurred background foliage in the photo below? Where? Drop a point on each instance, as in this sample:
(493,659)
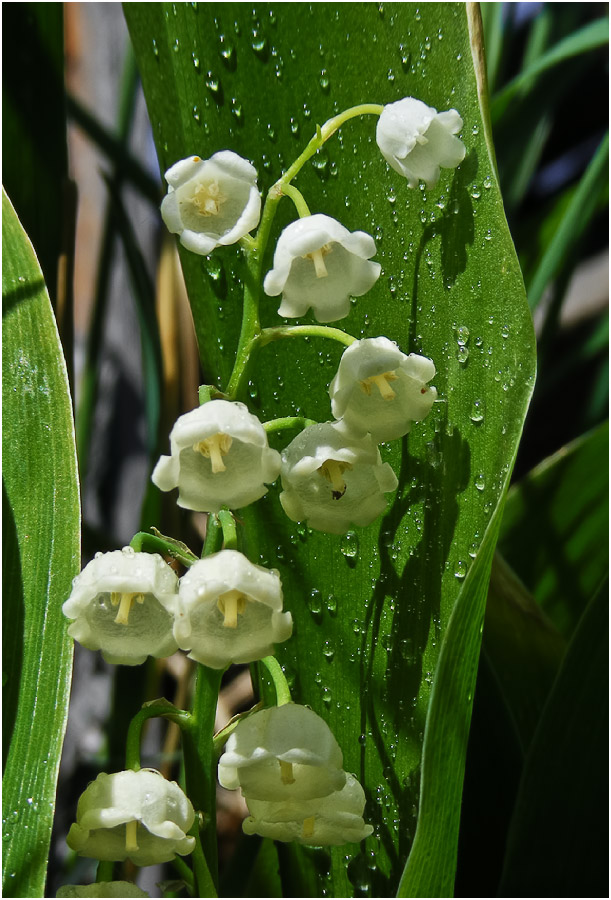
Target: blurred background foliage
(81,171)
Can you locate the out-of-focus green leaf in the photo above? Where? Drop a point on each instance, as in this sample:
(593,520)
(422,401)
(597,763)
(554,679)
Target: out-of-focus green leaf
(492,776)
(387,620)
(34,151)
(144,295)
(558,843)
(555,528)
(126,166)
(523,648)
(90,373)
(492,19)
(594,34)
(41,521)
(574,223)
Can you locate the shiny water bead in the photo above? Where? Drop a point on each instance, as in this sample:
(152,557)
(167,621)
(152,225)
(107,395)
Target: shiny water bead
(102,889)
(380,390)
(230,611)
(333,480)
(133,815)
(319,264)
(282,753)
(334,819)
(219,457)
(211,202)
(123,604)
(417,141)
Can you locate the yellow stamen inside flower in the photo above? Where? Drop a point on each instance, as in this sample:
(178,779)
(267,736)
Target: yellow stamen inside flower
(382,384)
(333,470)
(214,448)
(231,604)
(421,139)
(286,772)
(317,258)
(208,198)
(308,827)
(124,602)
(131,836)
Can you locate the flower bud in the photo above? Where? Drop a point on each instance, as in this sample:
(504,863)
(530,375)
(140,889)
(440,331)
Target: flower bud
(416,140)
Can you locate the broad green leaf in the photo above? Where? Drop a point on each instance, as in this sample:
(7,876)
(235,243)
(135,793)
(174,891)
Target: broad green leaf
(554,532)
(558,842)
(387,620)
(41,520)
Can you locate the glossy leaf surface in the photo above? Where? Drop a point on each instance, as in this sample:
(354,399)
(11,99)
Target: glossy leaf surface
(387,618)
(41,521)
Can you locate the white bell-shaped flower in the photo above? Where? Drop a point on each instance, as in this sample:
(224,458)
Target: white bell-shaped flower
(333,480)
(123,603)
(320,264)
(334,819)
(102,889)
(211,201)
(416,140)
(230,611)
(380,390)
(282,753)
(133,815)
(219,457)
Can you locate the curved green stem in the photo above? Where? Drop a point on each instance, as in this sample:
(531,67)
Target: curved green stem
(323,134)
(255,249)
(283,694)
(159,543)
(287,422)
(286,331)
(230,532)
(214,536)
(289,190)
(250,317)
(200,761)
(204,885)
(183,871)
(158,708)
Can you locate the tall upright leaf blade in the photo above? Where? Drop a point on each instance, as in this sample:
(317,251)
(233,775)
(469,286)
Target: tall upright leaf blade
(558,842)
(41,517)
(371,610)
(555,528)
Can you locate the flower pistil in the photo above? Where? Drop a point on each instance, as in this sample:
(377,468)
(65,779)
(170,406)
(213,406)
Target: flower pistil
(332,470)
(208,198)
(214,448)
(131,836)
(124,601)
(231,604)
(382,382)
